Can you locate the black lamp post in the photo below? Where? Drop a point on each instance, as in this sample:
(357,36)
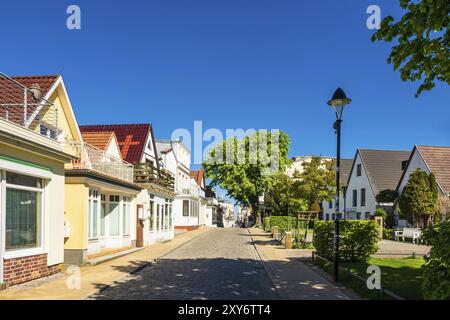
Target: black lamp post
(338,103)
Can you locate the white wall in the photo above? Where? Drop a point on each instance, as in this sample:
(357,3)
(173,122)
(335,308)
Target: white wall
(416,163)
(359,183)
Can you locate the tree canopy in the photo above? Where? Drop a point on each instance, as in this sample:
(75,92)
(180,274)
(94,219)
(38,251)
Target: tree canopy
(422,42)
(419,197)
(244,167)
(316,182)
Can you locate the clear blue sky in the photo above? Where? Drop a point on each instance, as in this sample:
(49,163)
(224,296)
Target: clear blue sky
(230,63)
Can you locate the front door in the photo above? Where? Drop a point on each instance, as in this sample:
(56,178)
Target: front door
(139,226)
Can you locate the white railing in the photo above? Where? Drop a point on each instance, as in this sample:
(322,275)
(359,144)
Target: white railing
(27,108)
(92,158)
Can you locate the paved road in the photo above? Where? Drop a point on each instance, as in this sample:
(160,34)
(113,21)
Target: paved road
(222,264)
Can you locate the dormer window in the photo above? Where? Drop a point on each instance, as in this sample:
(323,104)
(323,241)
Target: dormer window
(149,146)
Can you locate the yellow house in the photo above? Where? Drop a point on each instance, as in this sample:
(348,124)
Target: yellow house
(101,206)
(36,122)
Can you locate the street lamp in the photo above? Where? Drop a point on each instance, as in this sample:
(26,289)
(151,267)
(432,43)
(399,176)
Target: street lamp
(338,103)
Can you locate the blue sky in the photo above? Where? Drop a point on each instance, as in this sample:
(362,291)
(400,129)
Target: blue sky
(230,63)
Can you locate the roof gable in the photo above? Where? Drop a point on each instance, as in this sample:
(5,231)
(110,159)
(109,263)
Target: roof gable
(383,167)
(132,138)
(438,161)
(199,177)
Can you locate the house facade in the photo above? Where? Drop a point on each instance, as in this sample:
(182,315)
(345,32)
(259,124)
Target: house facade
(212,207)
(430,159)
(36,122)
(329,207)
(154,202)
(101,199)
(372,172)
(187,205)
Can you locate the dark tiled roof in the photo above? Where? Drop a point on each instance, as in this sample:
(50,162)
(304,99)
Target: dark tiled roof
(13,94)
(384,167)
(346,167)
(438,160)
(131,138)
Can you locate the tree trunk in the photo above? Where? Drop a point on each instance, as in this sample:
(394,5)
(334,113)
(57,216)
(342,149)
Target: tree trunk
(256,214)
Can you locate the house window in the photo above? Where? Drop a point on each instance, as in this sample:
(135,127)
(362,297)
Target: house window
(355,198)
(170,214)
(114,215)
(367,215)
(358,216)
(102,215)
(126,208)
(93,214)
(358,170)
(363,197)
(24,203)
(157,217)
(152,219)
(185,208)
(330,204)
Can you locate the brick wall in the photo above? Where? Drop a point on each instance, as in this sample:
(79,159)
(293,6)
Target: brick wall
(23,269)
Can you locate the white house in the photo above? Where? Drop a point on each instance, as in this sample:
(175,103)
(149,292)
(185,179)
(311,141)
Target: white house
(187,204)
(372,172)
(154,208)
(329,207)
(430,159)
(211,207)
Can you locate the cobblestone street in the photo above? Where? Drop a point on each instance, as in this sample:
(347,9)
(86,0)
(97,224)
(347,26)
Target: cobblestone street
(221,264)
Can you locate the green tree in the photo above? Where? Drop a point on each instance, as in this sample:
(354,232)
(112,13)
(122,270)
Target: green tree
(422,42)
(386,196)
(315,183)
(419,197)
(244,167)
(282,196)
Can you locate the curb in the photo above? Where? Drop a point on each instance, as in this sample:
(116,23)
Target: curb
(270,273)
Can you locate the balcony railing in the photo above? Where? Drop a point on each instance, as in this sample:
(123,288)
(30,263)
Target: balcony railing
(92,158)
(148,173)
(27,108)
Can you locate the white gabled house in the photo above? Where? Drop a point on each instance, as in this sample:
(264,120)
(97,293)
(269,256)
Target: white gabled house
(372,172)
(430,159)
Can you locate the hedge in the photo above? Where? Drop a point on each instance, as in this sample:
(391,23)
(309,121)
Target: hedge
(436,270)
(280,221)
(358,239)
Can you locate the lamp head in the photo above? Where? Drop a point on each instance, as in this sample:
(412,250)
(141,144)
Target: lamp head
(338,102)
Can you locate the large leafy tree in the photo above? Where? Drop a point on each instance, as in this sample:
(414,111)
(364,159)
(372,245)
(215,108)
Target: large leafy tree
(315,183)
(419,197)
(244,167)
(282,196)
(422,42)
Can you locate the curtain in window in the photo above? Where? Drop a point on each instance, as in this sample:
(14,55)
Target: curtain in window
(22,225)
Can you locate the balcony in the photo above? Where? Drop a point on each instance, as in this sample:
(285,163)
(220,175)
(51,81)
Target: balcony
(92,158)
(25,107)
(145,173)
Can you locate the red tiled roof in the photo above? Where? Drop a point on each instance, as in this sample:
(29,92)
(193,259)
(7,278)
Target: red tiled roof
(198,175)
(438,160)
(131,138)
(13,94)
(98,139)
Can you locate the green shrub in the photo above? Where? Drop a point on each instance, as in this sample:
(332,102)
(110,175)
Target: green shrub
(436,270)
(282,222)
(388,234)
(267,226)
(358,239)
(380,212)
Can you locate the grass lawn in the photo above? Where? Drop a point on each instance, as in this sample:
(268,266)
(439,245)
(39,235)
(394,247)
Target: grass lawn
(402,276)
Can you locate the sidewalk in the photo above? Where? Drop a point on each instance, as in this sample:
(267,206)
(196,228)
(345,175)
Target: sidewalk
(293,279)
(94,278)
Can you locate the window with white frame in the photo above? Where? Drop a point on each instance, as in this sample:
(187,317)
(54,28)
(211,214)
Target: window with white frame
(152,211)
(126,208)
(114,215)
(102,215)
(94,203)
(24,211)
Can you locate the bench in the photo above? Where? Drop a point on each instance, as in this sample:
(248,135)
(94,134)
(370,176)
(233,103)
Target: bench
(410,233)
